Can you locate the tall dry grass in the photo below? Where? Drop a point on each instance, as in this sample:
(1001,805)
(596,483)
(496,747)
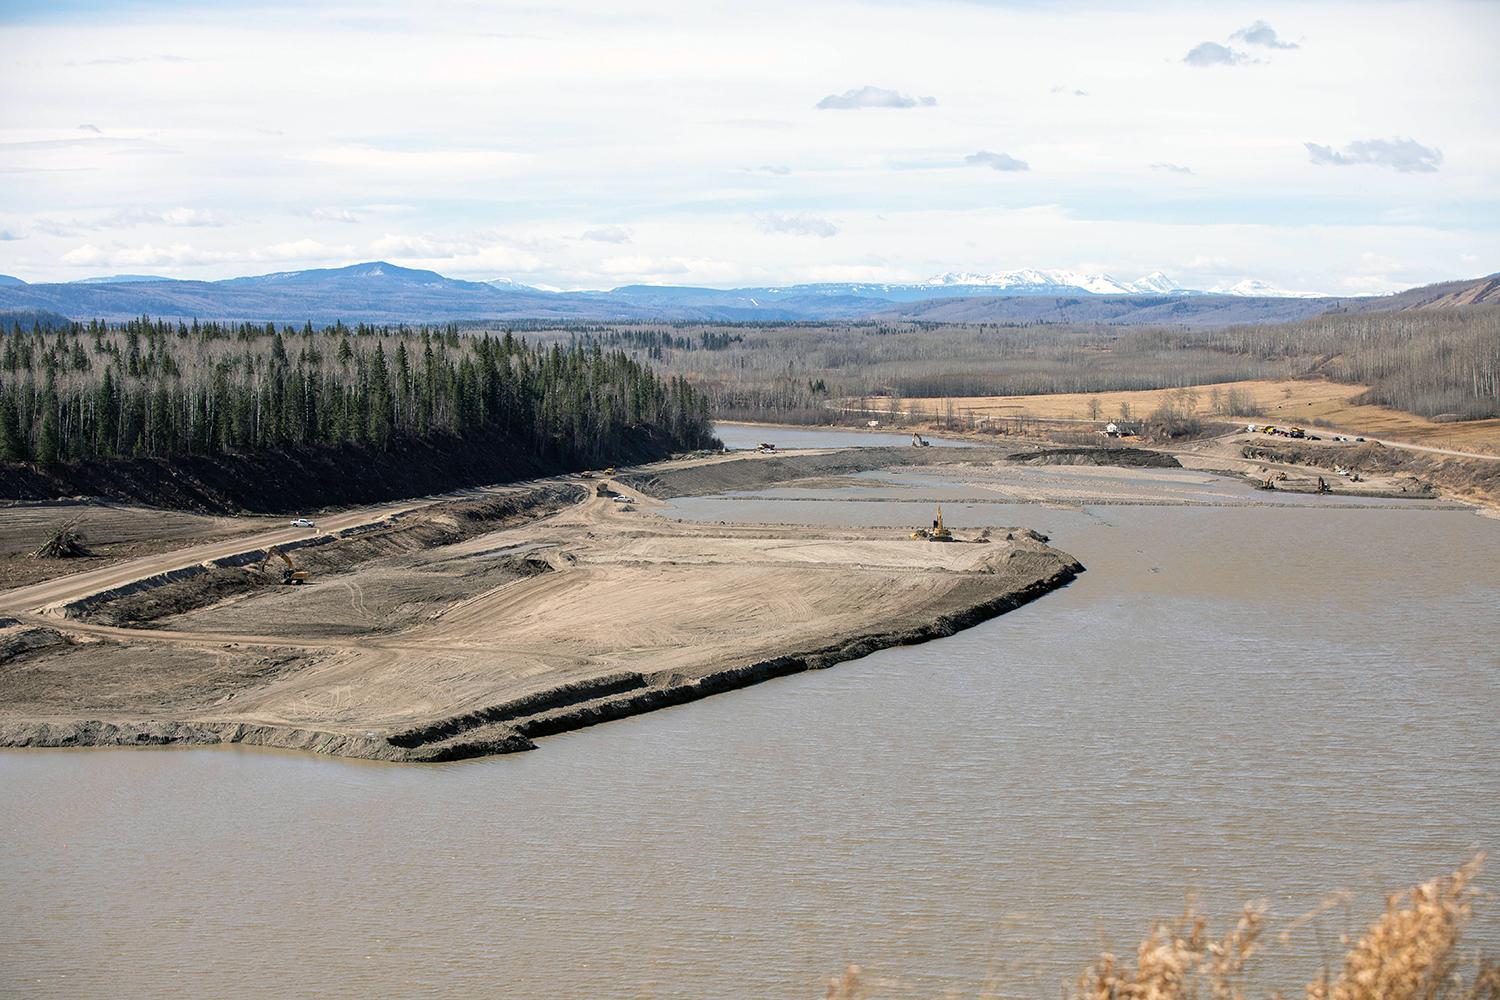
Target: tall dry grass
(1411,952)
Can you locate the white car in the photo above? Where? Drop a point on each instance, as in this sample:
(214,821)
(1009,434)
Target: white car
(303,522)
(622,499)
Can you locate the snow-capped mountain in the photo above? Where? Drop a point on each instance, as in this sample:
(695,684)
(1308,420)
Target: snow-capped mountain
(1033,281)
(1156,283)
(1259,289)
(512,285)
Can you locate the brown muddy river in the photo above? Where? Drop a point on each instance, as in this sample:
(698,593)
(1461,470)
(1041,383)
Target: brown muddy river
(1239,701)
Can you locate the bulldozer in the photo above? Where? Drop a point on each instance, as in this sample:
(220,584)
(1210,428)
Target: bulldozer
(290,574)
(937,533)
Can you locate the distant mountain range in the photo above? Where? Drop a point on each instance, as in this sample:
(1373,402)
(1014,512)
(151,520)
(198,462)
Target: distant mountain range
(379,292)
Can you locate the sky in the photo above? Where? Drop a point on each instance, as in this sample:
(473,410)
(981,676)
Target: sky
(1345,148)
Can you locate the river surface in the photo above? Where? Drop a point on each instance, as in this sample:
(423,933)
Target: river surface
(1246,702)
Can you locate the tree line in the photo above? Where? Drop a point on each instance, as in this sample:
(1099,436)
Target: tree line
(1441,363)
(101,391)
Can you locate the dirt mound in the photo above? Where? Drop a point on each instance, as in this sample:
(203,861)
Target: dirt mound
(752,472)
(1473,478)
(198,587)
(18,641)
(1132,458)
(297,480)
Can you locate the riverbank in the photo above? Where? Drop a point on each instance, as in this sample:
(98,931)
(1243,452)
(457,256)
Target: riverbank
(455,642)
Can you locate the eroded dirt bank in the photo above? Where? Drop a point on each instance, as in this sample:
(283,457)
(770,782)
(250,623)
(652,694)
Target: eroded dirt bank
(451,635)
(295,480)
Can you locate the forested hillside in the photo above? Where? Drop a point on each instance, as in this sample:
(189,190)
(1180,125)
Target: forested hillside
(100,393)
(1436,363)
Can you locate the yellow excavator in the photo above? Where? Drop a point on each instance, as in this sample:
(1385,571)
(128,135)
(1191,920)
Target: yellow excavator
(937,533)
(290,574)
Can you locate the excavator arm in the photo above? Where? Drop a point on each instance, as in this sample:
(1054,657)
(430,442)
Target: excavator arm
(290,573)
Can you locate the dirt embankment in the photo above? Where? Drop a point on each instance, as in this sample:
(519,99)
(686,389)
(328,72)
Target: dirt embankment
(112,532)
(298,480)
(463,632)
(323,557)
(1130,458)
(1413,472)
(760,472)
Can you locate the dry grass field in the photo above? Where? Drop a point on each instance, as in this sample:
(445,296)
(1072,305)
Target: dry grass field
(1307,402)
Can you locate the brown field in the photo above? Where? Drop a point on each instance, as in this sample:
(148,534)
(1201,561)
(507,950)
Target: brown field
(1289,401)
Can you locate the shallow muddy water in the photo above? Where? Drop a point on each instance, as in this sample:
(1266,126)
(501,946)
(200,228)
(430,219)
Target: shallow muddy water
(1246,701)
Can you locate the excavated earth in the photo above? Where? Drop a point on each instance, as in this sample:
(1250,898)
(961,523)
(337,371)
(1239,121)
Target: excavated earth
(474,626)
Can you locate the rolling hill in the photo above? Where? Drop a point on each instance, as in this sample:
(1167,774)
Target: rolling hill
(380,292)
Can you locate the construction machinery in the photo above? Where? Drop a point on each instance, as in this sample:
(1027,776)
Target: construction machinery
(290,574)
(937,533)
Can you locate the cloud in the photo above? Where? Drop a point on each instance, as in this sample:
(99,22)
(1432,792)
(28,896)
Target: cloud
(1404,155)
(1073,91)
(996,161)
(608,234)
(1214,54)
(130,60)
(90,128)
(167,217)
(127,217)
(151,255)
(1262,34)
(872,97)
(796,225)
(774,171)
(6,236)
(394,245)
(1172,168)
(332,215)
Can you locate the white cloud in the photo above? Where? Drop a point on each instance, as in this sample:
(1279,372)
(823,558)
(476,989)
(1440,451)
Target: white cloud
(1172,168)
(167,217)
(796,225)
(1262,34)
(332,215)
(872,97)
(996,161)
(185,254)
(393,245)
(607,234)
(1214,54)
(1404,155)
(130,60)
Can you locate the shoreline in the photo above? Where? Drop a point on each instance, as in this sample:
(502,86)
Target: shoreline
(532,626)
(465,737)
(1470,480)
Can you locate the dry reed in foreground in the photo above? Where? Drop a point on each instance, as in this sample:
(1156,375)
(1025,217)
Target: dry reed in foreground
(1410,953)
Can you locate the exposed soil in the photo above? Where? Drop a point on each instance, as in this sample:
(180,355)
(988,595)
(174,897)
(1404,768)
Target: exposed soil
(1309,402)
(742,473)
(114,532)
(324,558)
(1138,458)
(473,627)
(1392,471)
(299,480)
